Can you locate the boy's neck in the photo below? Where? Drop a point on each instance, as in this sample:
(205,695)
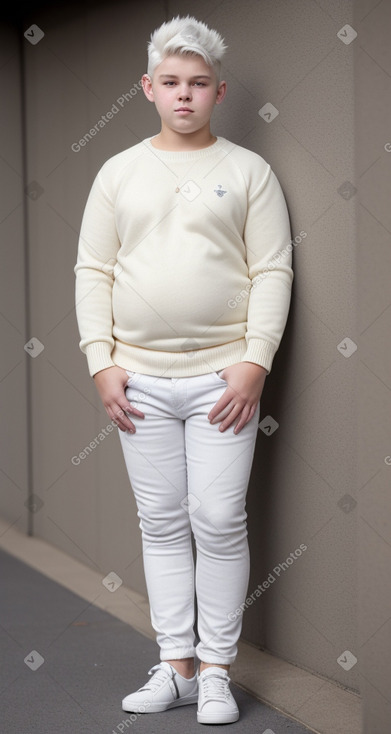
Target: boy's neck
(171,140)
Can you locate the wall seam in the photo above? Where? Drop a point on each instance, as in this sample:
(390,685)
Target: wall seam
(27,289)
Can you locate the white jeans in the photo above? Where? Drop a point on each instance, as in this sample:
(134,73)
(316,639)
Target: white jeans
(187,476)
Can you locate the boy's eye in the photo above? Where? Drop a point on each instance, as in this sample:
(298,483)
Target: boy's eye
(196,84)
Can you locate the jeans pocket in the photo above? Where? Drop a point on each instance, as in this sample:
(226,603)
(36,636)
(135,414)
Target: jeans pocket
(217,375)
(133,377)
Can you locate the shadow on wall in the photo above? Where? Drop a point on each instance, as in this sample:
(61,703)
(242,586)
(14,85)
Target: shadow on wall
(262,491)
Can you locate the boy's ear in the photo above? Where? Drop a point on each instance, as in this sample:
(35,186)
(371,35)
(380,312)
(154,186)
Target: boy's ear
(221,92)
(147,86)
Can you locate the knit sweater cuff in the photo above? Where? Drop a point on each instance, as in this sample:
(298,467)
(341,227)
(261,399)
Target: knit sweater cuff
(260,352)
(98,357)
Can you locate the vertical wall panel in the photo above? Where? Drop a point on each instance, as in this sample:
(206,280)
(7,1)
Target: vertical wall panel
(373,150)
(14,490)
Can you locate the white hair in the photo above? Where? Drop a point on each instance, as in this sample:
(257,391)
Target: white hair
(186,36)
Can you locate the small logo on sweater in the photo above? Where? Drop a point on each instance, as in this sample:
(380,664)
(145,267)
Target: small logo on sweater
(220,191)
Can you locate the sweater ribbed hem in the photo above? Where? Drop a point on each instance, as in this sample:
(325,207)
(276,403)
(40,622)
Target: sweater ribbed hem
(178,364)
(191,363)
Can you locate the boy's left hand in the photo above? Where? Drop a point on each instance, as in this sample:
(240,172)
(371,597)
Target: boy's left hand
(239,401)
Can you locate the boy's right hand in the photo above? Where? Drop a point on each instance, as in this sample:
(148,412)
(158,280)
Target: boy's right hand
(111,383)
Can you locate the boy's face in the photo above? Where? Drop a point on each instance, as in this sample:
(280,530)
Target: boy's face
(184,90)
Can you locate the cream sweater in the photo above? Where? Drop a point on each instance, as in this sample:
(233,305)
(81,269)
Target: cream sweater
(183,266)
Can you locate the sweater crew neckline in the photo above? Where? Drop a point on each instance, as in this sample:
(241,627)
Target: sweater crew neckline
(185,155)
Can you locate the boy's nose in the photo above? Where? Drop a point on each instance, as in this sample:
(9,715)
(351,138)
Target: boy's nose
(184,93)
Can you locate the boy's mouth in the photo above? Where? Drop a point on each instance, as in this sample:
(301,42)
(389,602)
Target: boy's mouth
(183,109)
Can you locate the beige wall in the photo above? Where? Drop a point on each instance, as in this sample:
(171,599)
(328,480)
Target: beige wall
(373,146)
(15,461)
(286,53)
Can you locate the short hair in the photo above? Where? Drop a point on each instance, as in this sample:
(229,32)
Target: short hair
(185,36)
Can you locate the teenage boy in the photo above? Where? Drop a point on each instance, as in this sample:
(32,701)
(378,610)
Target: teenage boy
(183,286)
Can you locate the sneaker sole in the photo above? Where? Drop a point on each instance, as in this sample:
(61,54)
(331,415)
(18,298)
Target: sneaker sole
(156,708)
(217,718)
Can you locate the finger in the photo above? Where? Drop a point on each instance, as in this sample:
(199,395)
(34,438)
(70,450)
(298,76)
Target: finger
(129,408)
(122,420)
(219,412)
(125,429)
(246,415)
(231,417)
(220,405)
(123,413)
(129,426)
(223,414)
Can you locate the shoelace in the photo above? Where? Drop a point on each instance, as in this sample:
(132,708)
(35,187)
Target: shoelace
(216,687)
(159,677)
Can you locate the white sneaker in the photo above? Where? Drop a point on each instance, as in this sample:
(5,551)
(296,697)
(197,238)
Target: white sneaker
(216,704)
(166,689)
